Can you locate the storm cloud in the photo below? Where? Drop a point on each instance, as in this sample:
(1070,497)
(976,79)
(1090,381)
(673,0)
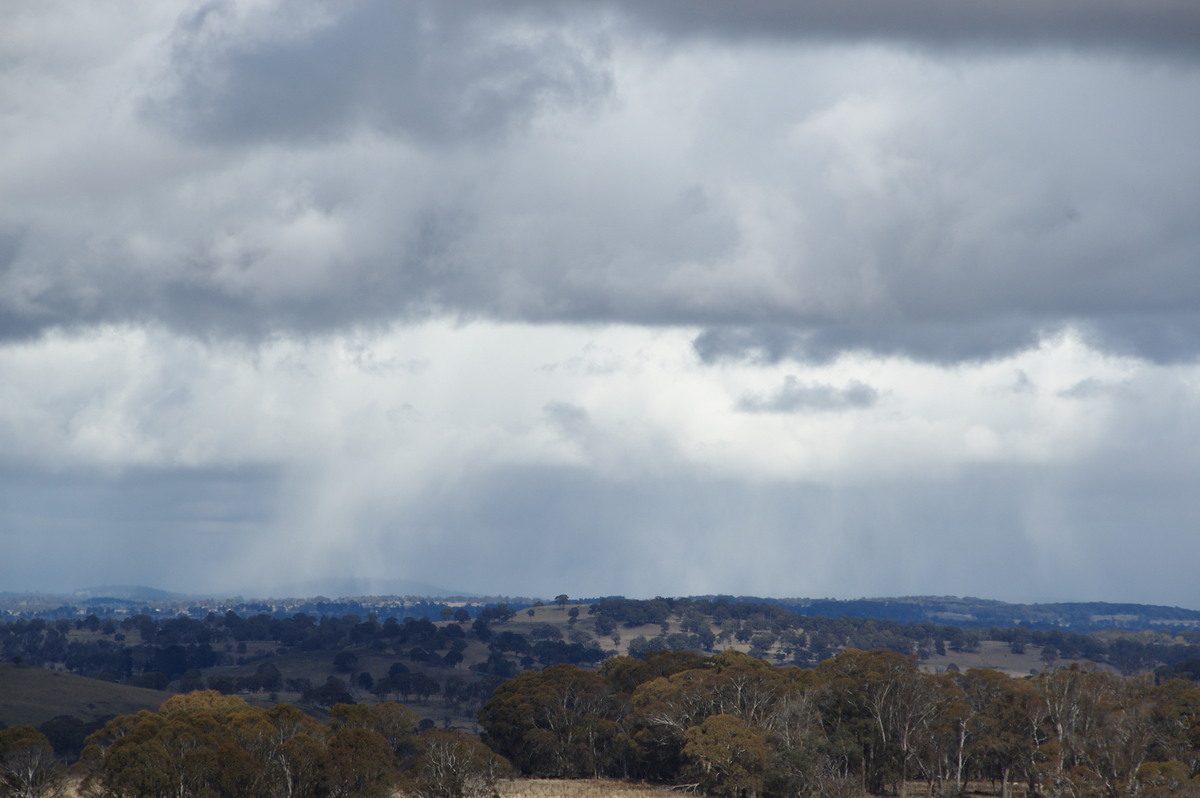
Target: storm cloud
(376,282)
(303,168)
(1155,28)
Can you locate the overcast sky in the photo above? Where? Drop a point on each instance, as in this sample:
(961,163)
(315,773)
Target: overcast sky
(645,298)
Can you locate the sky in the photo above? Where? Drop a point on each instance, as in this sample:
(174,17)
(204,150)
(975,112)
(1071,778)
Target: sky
(895,297)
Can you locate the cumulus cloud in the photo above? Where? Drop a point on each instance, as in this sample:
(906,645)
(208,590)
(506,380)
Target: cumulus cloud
(308,73)
(570,420)
(797,396)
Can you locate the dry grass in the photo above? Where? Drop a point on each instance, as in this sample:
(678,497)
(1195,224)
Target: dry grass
(536,788)
(70,788)
(998,656)
(614,788)
(586,788)
(31,695)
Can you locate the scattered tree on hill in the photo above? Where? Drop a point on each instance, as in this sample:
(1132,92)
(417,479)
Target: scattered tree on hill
(332,692)
(344,661)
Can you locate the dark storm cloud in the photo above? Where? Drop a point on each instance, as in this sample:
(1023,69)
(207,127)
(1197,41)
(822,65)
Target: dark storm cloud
(1166,338)
(442,72)
(1018,195)
(946,342)
(434,71)
(13,323)
(795,395)
(1154,27)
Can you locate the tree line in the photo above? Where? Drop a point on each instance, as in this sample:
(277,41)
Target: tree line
(206,745)
(784,635)
(862,721)
(727,724)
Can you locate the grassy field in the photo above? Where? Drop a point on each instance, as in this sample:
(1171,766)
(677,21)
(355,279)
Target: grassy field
(35,695)
(612,788)
(998,656)
(588,788)
(538,788)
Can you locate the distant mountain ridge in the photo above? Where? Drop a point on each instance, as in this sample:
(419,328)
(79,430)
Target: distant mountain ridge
(964,612)
(977,612)
(343,587)
(128,593)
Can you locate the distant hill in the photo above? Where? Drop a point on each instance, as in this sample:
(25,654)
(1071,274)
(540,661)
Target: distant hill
(977,613)
(334,587)
(128,593)
(408,597)
(982,613)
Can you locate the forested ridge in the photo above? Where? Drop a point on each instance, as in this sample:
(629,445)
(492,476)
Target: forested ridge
(868,721)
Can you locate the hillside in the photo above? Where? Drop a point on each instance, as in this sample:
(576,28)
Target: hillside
(35,695)
(975,612)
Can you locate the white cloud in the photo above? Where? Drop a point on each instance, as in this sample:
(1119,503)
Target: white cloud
(377,436)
